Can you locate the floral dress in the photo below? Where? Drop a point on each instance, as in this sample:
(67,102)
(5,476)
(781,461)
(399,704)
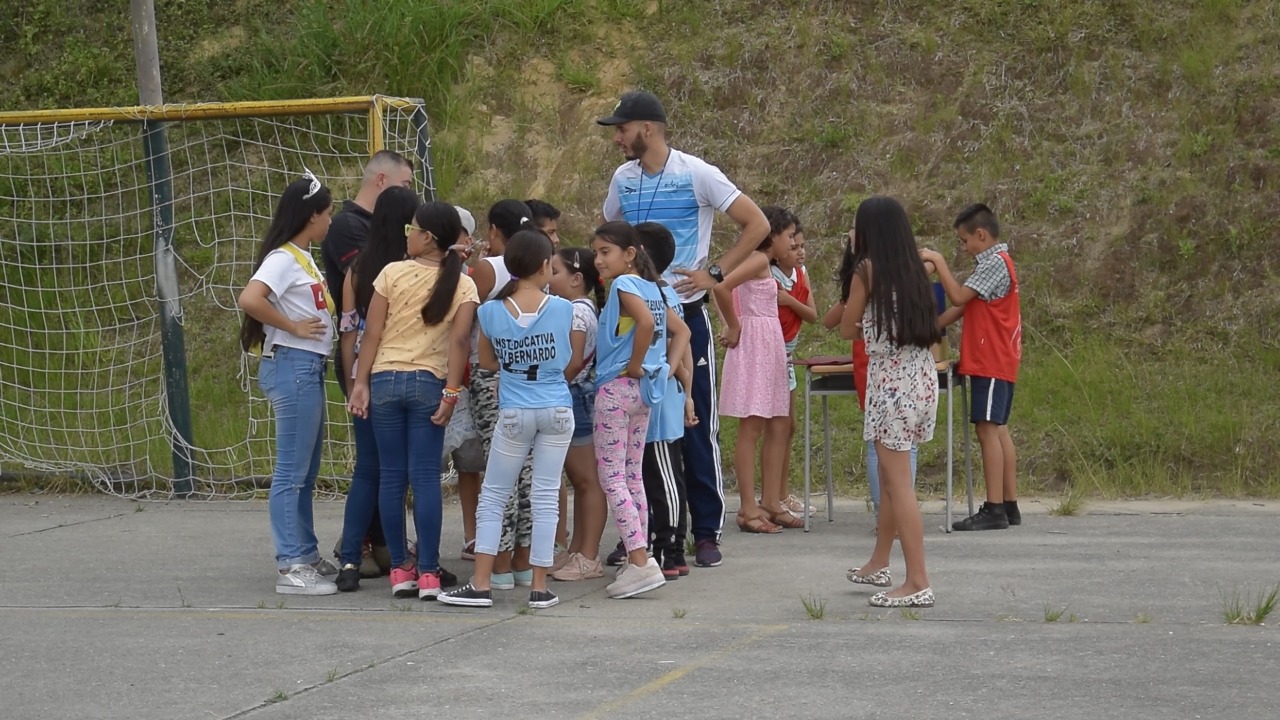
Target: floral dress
(902,390)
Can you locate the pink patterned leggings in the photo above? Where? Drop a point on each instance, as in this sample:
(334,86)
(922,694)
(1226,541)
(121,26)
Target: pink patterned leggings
(621,424)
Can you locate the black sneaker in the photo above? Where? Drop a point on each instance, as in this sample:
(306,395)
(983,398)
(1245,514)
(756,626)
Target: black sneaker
(348,578)
(680,563)
(989,517)
(447,579)
(668,565)
(542,599)
(1012,512)
(618,556)
(467,596)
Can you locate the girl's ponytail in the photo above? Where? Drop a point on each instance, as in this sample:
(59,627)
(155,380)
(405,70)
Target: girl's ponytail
(442,221)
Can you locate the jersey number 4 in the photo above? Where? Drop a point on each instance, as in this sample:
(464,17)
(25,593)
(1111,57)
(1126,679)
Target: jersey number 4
(530,373)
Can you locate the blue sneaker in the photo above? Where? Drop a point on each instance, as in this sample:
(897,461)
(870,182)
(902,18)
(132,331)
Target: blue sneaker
(502,581)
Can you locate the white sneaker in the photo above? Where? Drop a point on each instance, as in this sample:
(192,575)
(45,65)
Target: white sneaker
(634,580)
(304,580)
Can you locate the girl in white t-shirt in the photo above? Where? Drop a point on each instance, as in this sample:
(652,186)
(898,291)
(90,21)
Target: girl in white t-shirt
(288,319)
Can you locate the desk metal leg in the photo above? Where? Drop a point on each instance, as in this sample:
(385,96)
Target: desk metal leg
(808,447)
(826,452)
(950,442)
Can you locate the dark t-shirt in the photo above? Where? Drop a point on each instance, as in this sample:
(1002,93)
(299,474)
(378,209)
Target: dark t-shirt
(348,233)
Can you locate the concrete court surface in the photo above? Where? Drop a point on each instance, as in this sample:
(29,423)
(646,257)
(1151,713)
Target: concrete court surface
(115,609)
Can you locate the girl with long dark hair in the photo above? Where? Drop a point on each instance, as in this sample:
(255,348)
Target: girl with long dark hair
(386,244)
(891,306)
(416,340)
(288,320)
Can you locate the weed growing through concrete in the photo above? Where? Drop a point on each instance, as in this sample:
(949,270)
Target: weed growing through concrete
(278,696)
(910,614)
(1052,614)
(279,604)
(333,675)
(262,604)
(1142,618)
(814,606)
(525,610)
(1071,504)
(1239,608)
(402,607)
(139,507)
(679,613)
(1073,618)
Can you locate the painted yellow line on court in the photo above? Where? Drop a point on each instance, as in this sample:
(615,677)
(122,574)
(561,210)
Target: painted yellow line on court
(666,679)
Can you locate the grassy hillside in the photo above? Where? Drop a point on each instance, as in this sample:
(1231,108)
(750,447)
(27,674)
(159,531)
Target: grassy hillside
(1132,149)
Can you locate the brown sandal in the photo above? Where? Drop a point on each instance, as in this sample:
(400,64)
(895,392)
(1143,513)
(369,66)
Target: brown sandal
(757,525)
(786,519)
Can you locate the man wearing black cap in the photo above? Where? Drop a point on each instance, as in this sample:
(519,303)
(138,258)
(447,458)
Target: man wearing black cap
(682,192)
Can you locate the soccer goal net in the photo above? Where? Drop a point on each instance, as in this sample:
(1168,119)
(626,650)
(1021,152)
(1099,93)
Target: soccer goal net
(86,389)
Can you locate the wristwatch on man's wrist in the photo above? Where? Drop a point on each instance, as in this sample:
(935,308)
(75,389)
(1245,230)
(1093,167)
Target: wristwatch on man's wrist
(715,272)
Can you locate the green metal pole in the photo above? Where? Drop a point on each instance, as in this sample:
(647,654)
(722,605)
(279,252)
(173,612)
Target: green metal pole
(173,342)
(160,181)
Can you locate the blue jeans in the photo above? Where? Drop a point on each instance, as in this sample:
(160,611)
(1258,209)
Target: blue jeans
(547,431)
(873,472)
(362,497)
(293,380)
(401,404)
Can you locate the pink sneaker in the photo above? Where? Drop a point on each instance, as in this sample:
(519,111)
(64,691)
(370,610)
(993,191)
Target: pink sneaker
(404,583)
(429,586)
(579,568)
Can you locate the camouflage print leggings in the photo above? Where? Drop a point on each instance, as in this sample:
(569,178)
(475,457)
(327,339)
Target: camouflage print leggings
(517,521)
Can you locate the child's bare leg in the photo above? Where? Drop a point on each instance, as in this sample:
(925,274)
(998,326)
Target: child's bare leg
(589,509)
(1010,466)
(562,528)
(744,464)
(773,479)
(469,497)
(993,456)
(886,529)
(896,490)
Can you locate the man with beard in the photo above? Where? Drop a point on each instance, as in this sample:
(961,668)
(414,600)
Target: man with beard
(660,184)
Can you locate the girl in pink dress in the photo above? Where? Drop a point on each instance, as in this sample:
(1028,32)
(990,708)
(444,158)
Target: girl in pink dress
(754,384)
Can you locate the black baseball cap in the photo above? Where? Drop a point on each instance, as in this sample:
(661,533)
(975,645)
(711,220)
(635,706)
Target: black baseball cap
(636,105)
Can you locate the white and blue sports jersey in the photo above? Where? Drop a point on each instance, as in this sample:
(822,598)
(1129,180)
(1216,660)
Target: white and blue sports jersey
(613,349)
(666,422)
(683,197)
(532,358)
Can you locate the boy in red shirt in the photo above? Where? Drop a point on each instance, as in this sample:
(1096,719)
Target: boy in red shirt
(990,353)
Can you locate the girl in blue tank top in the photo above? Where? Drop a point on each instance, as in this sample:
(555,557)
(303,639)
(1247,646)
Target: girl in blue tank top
(524,337)
(631,374)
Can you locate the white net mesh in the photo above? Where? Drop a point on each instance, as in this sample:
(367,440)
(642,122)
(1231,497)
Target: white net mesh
(82,389)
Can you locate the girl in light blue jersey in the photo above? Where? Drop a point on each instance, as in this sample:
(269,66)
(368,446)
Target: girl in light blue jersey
(631,373)
(524,337)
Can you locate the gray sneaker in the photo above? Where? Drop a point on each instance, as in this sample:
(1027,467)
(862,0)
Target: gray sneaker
(634,580)
(304,580)
(325,569)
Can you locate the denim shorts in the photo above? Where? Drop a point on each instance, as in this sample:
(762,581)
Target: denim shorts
(584,407)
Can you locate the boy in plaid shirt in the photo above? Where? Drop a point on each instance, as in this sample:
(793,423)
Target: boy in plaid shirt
(990,353)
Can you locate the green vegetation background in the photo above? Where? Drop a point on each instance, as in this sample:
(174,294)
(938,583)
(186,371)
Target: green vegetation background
(1132,149)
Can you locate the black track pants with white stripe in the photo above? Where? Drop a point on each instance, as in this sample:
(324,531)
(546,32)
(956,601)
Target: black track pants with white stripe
(663,471)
